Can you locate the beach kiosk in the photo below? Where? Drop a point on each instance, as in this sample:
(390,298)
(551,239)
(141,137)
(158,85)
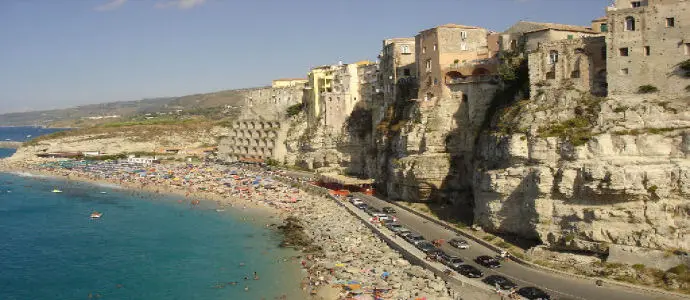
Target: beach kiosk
(343,185)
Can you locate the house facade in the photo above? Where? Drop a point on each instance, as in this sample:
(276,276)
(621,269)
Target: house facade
(646,42)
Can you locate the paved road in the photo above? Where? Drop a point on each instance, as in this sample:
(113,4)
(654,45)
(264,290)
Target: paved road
(561,287)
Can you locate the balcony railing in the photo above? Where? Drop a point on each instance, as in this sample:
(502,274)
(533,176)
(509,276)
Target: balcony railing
(472,63)
(475,78)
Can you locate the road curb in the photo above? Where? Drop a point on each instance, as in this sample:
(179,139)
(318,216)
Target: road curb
(497,249)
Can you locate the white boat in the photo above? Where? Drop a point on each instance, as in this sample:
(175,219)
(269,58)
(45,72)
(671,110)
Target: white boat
(57,191)
(104,192)
(96,215)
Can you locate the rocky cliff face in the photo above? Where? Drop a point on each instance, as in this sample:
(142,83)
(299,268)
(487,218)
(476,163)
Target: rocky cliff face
(583,173)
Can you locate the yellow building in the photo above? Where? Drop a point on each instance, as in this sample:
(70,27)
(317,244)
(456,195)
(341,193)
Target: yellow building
(339,84)
(289,82)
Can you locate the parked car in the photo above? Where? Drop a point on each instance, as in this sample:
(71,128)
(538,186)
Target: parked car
(394,227)
(356,201)
(500,281)
(383,216)
(451,261)
(403,232)
(388,210)
(362,206)
(414,238)
(469,271)
(425,246)
(533,293)
(487,261)
(459,243)
(372,211)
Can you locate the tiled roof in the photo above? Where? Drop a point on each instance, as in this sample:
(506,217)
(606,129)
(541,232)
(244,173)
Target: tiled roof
(561,27)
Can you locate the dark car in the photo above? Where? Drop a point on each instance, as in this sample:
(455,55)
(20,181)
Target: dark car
(459,243)
(389,210)
(533,293)
(394,226)
(372,210)
(469,271)
(414,238)
(450,260)
(425,246)
(487,261)
(500,281)
(362,206)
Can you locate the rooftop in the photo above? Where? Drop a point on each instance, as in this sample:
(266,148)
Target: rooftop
(560,27)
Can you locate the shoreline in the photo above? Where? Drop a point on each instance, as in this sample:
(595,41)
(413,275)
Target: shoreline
(337,251)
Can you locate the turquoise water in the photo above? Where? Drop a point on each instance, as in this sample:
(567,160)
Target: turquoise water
(5,152)
(144,247)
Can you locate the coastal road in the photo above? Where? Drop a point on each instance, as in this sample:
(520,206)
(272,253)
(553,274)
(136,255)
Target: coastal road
(559,286)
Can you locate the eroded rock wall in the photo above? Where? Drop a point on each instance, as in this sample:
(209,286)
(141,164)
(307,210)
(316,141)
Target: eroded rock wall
(587,173)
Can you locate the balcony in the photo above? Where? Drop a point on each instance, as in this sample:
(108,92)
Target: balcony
(473,63)
(472,79)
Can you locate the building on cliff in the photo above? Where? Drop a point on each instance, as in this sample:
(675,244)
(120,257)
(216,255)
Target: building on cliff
(647,41)
(289,82)
(397,68)
(532,34)
(452,54)
(253,141)
(332,93)
(569,64)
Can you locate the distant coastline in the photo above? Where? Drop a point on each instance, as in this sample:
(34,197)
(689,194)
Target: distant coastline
(10,144)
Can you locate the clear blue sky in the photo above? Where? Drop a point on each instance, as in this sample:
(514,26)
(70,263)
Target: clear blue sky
(61,53)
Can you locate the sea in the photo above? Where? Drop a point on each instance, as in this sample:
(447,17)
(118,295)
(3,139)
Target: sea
(145,246)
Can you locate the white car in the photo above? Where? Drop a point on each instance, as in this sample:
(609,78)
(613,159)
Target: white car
(356,201)
(384,217)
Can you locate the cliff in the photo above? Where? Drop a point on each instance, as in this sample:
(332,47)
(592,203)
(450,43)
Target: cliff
(583,173)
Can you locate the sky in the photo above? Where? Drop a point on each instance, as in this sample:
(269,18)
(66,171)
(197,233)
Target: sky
(63,53)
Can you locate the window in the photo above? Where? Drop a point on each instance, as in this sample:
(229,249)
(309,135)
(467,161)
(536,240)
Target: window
(435,47)
(550,75)
(623,52)
(405,49)
(670,22)
(406,72)
(604,27)
(624,71)
(513,45)
(428,65)
(423,50)
(435,81)
(646,50)
(463,46)
(463,34)
(465,98)
(687,48)
(575,74)
(636,3)
(553,57)
(570,36)
(629,24)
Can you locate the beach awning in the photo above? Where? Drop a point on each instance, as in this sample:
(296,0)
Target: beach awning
(344,180)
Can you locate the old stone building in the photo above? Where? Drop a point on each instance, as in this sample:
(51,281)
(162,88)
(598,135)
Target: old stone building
(253,140)
(646,42)
(289,82)
(332,93)
(531,34)
(451,54)
(579,64)
(368,83)
(270,103)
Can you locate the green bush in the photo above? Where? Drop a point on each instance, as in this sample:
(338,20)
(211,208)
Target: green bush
(646,89)
(687,88)
(294,110)
(679,269)
(577,130)
(685,67)
(638,267)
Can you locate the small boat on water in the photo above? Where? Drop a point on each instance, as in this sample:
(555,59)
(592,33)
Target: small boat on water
(57,191)
(96,215)
(104,192)
(220,209)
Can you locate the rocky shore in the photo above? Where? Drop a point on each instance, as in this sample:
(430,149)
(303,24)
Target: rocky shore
(341,256)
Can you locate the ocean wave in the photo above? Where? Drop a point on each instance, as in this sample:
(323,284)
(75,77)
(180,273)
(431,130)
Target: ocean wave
(27,174)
